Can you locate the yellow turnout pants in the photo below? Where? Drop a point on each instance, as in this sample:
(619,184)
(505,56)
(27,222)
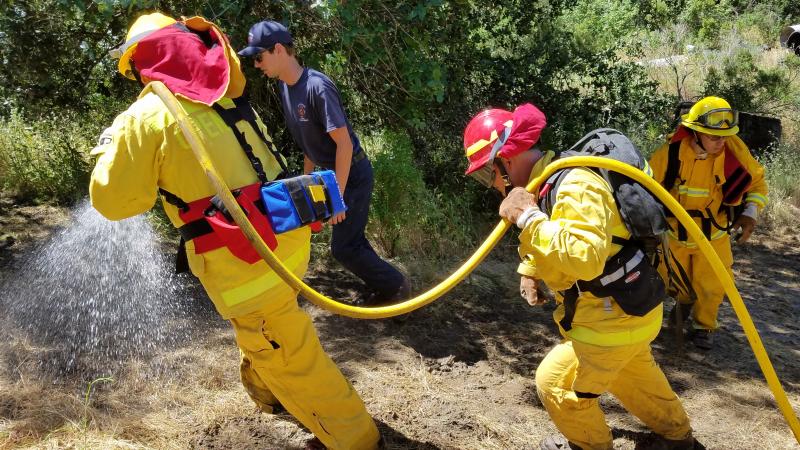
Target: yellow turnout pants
(283,361)
(573,374)
(708,288)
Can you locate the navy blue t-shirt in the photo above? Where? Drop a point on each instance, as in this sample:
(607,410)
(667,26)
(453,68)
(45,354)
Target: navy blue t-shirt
(313,108)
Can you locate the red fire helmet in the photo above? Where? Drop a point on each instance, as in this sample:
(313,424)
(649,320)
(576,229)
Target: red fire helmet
(481,133)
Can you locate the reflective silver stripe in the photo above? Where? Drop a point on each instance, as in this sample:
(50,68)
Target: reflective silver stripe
(756,198)
(119,51)
(619,273)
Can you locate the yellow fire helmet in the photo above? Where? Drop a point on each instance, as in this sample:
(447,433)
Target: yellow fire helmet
(141,28)
(712,115)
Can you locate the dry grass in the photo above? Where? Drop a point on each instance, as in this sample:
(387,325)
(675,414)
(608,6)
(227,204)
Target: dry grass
(782,166)
(456,375)
(136,410)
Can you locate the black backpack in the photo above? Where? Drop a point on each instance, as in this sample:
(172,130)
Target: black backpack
(630,276)
(643,214)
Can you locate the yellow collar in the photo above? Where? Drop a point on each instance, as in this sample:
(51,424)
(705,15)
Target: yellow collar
(538,168)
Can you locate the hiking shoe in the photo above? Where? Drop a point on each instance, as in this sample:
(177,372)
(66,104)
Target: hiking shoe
(364,298)
(703,339)
(277,409)
(402,294)
(557,442)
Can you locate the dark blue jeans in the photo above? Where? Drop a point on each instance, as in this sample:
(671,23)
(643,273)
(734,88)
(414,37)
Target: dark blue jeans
(349,244)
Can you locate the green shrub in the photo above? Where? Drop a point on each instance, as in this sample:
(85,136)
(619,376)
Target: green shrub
(707,18)
(654,14)
(421,68)
(749,86)
(405,216)
(600,25)
(44,159)
(782,167)
(759,25)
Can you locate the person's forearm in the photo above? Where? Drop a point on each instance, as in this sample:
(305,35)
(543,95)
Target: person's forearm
(344,157)
(308,165)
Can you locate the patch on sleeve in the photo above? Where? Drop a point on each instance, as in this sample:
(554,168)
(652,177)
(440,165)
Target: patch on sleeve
(106,138)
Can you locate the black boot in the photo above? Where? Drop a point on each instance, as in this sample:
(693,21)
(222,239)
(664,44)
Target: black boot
(373,299)
(703,339)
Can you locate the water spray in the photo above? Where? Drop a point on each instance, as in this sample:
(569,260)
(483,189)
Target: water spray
(96,295)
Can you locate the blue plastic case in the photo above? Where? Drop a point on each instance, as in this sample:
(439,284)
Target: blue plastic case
(289,204)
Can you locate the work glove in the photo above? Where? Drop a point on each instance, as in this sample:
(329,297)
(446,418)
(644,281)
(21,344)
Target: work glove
(515,203)
(743,228)
(529,290)
(520,208)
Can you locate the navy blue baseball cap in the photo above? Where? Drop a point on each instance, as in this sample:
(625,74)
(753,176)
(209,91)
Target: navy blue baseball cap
(263,36)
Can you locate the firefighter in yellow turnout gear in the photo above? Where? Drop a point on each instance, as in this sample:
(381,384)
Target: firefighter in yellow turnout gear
(605,349)
(282,362)
(712,174)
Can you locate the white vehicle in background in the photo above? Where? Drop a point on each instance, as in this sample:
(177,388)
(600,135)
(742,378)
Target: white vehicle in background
(790,38)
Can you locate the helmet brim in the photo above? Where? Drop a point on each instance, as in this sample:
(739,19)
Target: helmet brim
(250,51)
(477,163)
(124,64)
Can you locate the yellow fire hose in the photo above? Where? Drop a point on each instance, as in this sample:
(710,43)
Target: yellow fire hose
(224,193)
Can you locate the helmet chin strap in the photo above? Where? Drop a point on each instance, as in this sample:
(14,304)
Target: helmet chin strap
(699,143)
(493,158)
(136,73)
(504,175)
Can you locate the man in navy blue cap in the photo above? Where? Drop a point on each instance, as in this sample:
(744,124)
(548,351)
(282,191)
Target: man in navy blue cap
(314,114)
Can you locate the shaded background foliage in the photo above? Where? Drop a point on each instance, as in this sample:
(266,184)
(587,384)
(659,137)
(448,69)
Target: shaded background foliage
(415,69)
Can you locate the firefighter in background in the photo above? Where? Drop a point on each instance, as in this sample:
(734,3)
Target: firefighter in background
(144,152)
(712,174)
(604,350)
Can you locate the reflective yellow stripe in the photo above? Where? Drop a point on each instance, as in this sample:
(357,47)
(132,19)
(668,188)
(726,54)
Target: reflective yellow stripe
(718,234)
(628,337)
(648,170)
(479,145)
(756,198)
(269,280)
(483,142)
(692,192)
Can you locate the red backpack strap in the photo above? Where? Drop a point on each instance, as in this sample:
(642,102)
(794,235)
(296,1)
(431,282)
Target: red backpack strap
(737,179)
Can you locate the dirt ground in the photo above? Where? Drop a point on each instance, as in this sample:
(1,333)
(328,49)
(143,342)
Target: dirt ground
(457,374)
